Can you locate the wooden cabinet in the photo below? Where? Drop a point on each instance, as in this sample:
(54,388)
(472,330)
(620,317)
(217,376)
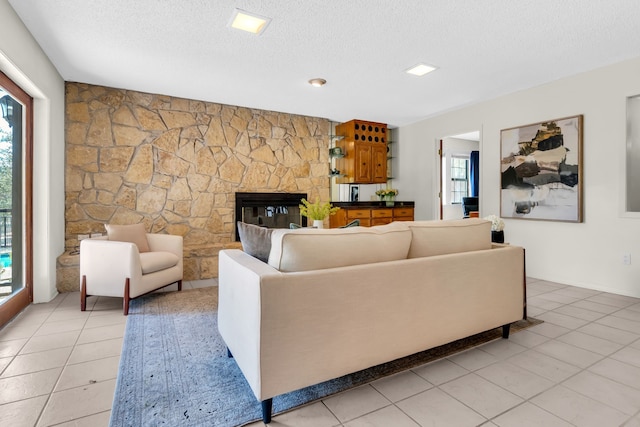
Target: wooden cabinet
(403,214)
(364,145)
(379,163)
(370,216)
(381,216)
(362,166)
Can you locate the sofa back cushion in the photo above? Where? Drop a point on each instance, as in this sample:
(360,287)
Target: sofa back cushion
(431,238)
(314,249)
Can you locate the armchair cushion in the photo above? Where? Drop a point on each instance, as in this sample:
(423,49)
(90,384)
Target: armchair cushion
(156,261)
(134,233)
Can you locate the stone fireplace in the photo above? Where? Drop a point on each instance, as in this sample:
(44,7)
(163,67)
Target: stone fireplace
(270,210)
(175,165)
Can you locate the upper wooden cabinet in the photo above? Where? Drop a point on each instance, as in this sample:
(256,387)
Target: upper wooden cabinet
(364,145)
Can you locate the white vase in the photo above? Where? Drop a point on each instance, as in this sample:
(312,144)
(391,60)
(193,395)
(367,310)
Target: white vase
(318,223)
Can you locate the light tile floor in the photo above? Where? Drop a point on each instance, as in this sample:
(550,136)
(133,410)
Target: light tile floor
(579,368)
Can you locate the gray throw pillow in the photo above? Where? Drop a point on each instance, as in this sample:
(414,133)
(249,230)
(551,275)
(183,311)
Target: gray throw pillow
(293,226)
(256,241)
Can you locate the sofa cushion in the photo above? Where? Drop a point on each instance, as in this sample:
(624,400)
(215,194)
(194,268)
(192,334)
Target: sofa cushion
(134,233)
(445,237)
(256,240)
(156,261)
(314,249)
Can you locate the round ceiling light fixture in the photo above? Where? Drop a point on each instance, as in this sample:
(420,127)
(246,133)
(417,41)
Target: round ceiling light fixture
(317,82)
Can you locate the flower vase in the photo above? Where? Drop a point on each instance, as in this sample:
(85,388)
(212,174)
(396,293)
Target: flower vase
(390,200)
(318,223)
(497,236)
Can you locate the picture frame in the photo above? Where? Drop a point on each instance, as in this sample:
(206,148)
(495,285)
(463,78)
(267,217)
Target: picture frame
(354,193)
(541,170)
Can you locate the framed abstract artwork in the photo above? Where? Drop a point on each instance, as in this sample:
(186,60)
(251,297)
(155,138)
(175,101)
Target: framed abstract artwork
(541,170)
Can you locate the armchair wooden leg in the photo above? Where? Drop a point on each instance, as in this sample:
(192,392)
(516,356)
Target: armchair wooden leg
(179,285)
(125,303)
(83,294)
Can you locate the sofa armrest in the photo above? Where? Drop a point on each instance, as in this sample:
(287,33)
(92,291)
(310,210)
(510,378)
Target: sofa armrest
(165,242)
(107,264)
(240,309)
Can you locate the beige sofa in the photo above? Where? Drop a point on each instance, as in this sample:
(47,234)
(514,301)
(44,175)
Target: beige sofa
(332,302)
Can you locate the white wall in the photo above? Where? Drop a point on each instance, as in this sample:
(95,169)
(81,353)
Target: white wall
(587,254)
(24,62)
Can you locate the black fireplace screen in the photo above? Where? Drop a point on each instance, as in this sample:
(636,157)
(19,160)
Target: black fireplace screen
(271,210)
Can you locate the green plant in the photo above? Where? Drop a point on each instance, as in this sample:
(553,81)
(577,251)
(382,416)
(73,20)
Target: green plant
(317,210)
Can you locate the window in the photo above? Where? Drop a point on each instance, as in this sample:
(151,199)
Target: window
(459,178)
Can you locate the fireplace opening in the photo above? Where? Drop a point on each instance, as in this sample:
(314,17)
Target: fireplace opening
(271,210)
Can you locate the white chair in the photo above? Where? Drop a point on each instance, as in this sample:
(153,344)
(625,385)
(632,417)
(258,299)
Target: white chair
(118,269)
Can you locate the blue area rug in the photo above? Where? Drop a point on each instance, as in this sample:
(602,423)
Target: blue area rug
(174,370)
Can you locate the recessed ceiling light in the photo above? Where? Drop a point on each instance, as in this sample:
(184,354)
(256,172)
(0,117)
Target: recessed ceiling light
(421,69)
(317,82)
(245,21)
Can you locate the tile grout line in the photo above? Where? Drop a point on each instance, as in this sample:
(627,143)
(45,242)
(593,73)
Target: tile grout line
(44,408)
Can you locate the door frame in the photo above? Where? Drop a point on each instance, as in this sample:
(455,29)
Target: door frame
(21,299)
(439,155)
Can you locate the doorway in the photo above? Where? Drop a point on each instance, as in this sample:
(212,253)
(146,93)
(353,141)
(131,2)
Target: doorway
(459,174)
(15,199)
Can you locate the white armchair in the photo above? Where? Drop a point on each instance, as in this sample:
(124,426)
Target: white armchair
(118,269)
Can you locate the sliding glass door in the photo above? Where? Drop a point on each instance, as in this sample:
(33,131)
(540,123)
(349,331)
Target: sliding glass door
(15,199)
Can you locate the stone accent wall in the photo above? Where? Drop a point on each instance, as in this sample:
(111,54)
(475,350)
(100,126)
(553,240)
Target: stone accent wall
(175,164)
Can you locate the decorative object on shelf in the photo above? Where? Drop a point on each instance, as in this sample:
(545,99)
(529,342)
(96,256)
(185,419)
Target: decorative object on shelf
(334,172)
(388,195)
(336,152)
(497,228)
(541,167)
(317,211)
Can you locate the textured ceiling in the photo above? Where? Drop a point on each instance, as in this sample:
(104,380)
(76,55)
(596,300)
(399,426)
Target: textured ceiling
(185,48)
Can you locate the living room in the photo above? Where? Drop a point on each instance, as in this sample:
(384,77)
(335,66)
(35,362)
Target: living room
(587,254)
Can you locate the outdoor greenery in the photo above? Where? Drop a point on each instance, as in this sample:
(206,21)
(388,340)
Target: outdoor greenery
(5,166)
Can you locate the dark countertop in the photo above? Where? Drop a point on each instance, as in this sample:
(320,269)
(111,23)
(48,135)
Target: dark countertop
(372,204)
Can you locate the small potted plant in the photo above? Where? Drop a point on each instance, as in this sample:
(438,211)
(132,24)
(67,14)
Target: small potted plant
(387,194)
(497,228)
(317,212)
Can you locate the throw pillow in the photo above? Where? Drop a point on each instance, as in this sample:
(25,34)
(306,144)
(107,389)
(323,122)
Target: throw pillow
(293,226)
(256,241)
(354,223)
(134,233)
